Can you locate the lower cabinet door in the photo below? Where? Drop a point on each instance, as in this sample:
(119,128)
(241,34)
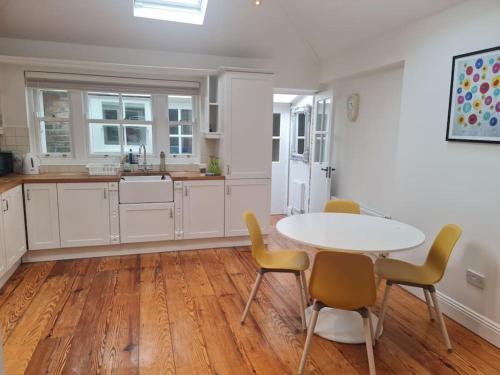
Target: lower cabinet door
(247,194)
(203,209)
(84,214)
(13,225)
(146,222)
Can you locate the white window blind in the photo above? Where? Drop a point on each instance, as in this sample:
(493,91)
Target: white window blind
(89,82)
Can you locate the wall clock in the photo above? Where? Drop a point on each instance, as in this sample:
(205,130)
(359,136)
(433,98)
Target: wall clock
(353,107)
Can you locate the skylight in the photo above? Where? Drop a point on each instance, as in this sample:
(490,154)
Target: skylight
(185,11)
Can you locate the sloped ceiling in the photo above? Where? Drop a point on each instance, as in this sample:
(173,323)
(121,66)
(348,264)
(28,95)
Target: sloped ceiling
(311,30)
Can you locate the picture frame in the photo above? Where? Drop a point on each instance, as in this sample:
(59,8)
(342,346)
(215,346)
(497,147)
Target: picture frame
(474,103)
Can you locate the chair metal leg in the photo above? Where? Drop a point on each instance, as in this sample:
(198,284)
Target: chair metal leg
(369,343)
(307,345)
(305,288)
(381,317)
(258,280)
(439,315)
(429,304)
(301,299)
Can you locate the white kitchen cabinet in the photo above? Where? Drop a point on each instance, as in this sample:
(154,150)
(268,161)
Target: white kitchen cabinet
(13,225)
(203,209)
(42,216)
(143,222)
(242,195)
(247,124)
(84,214)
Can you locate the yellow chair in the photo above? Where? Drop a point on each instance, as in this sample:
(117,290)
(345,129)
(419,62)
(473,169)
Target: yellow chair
(342,281)
(423,276)
(343,206)
(288,261)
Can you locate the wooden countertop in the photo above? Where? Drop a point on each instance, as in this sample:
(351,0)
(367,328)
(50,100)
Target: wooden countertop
(13,180)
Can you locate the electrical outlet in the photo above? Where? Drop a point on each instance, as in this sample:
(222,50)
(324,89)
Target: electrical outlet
(475,279)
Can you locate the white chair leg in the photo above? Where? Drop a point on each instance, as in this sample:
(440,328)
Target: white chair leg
(381,317)
(258,280)
(301,299)
(307,345)
(439,315)
(429,304)
(369,345)
(305,288)
(371,326)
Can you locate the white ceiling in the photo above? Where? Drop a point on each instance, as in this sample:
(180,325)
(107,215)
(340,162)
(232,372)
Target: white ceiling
(311,30)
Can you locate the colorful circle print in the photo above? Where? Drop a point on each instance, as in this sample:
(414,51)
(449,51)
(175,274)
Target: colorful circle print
(485,86)
(459,91)
(497,107)
(476,77)
(495,82)
(496,68)
(473,89)
(496,92)
(461,120)
(460,99)
(477,104)
(479,63)
(467,107)
(488,100)
(472,119)
(486,116)
(493,121)
(468,96)
(469,70)
(466,84)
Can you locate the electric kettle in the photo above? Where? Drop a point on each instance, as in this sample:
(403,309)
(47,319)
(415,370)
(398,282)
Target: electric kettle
(31,164)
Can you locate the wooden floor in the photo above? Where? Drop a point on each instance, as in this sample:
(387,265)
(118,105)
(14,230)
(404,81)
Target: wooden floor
(178,313)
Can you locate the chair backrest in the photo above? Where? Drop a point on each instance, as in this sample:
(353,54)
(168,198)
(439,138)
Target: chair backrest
(343,206)
(342,280)
(441,249)
(258,246)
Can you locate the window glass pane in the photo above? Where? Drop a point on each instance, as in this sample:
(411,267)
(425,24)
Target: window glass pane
(187,129)
(276,124)
(137,135)
(319,148)
(328,110)
(103,138)
(137,107)
(174,129)
(319,116)
(174,145)
(103,106)
(276,150)
(187,145)
(55,137)
(300,146)
(173,115)
(55,104)
(183,104)
(301,124)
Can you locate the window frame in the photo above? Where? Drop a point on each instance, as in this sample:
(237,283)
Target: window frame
(37,102)
(120,121)
(306,110)
(194,123)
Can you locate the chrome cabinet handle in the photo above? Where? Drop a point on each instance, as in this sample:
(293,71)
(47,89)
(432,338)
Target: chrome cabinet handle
(171,213)
(228,170)
(228,190)
(28,195)
(185,191)
(105,193)
(6,205)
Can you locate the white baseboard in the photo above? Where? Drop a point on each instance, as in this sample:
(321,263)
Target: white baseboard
(134,248)
(477,323)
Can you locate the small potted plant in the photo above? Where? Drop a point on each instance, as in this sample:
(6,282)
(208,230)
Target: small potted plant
(213,167)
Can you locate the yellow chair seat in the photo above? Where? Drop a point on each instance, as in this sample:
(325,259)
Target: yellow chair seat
(287,259)
(398,270)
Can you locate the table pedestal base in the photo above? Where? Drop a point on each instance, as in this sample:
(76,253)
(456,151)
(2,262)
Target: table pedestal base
(340,325)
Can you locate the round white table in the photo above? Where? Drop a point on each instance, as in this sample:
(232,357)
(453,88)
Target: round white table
(349,233)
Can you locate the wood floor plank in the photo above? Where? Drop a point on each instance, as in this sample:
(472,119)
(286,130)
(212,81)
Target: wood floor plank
(155,344)
(13,283)
(190,352)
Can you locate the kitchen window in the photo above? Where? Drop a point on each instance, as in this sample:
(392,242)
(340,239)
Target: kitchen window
(181,124)
(119,122)
(53,122)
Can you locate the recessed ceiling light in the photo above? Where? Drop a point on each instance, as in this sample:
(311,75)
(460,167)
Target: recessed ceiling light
(185,11)
(258,2)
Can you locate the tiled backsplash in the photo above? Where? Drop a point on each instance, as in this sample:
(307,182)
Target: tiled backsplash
(16,140)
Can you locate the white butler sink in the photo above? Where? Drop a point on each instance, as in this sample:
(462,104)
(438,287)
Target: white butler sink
(146,189)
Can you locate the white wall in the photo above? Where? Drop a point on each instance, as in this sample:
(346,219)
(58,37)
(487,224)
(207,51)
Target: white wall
(438,182)
(364,151)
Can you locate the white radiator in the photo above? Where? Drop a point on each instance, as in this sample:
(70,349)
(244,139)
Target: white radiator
(298,197)
(368,211)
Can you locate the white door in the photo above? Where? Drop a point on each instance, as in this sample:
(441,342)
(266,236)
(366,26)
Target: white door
(243,195)
(146,222)
(321,170)
(247,114)
(13,224)
(203,209)
(83,214)
(280,149)
(42,216)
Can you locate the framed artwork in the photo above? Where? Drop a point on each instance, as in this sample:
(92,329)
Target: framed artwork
(474,108)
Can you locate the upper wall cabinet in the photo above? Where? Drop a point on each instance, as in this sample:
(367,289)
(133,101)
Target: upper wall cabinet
(247,124)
